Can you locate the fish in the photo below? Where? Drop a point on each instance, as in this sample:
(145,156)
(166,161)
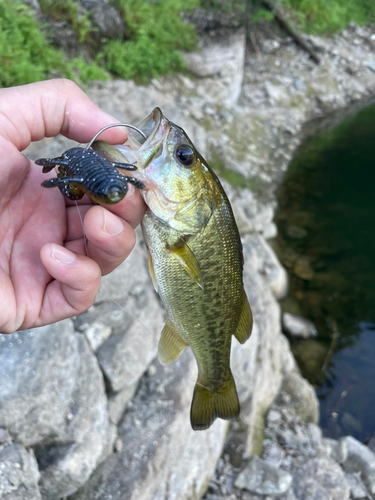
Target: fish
(195,260)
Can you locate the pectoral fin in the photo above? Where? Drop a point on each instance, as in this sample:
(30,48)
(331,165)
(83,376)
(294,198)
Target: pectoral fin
(187,259)
(245,323)
(171,344)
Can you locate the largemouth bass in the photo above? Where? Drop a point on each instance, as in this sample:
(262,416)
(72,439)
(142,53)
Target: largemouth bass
(195,261)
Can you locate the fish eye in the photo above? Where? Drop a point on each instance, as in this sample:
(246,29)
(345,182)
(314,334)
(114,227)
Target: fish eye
(185,154)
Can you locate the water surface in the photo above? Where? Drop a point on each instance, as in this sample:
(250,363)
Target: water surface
(326,240)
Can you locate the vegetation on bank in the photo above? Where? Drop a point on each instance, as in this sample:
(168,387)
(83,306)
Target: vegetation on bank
(156,35)
(330,16)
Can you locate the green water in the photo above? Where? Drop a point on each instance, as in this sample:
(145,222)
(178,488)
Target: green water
(326,221)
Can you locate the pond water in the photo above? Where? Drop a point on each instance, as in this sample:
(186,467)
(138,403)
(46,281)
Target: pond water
(326,240)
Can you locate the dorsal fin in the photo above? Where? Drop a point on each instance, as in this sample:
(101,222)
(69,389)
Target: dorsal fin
(245,323)
(182,252)
(171,344)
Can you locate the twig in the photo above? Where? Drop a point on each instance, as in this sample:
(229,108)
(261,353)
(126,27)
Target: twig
(332,346)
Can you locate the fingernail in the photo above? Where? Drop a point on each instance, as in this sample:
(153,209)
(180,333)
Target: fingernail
(62,255)
(112,224)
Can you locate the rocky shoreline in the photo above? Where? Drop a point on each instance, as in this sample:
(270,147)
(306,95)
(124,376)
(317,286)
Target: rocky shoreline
(86,412)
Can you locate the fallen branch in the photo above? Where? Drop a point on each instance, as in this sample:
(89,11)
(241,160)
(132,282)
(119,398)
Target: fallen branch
(284,23)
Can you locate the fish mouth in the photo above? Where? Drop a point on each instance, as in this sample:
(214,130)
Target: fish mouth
(150,124)
(155,127)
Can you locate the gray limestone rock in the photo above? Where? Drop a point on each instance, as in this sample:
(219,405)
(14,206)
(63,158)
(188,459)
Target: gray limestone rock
(370,65)
(298,327)
(222,58)
(162,456)
(19,474)
(52,397)
(360,459)
(358,490)
(336,450)
(320,478)
(127,305)
(269,266)
(4,436)
(303,396)
(262,478)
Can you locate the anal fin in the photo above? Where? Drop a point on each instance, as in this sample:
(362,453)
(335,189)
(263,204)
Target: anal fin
(245,323)
(171,344)
(207,405)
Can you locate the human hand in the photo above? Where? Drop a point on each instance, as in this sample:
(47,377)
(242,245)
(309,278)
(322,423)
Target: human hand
(45,275)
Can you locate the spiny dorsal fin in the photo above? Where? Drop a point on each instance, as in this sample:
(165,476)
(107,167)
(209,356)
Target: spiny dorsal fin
(245,323)
(171,344)
(207,405)
(187,259)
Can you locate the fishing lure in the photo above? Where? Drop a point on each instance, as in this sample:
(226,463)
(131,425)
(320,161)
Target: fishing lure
(84,171)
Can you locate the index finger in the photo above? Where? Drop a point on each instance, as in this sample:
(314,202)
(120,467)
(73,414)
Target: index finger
(45,109)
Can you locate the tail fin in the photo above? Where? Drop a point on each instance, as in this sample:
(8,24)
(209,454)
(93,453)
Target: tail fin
(208,405)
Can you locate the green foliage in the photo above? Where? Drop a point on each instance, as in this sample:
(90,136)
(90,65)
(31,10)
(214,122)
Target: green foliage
(157,35)
(330,16)
(68,11)
(25,55)
(262,14)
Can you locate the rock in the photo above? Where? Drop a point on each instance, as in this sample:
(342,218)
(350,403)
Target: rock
(222,58)
(276,93)
(336,449)
(263,478)
(360,459)
(135,320)
(371,443)
(269,231)
(106,20)
(357,488)
(123,357)
(298,327)
(117,402)
(162,456)
(312,354)
(296,232)
(19,473)
(370,65)
(320,478)
(269,46)
(215,22)
(273,416)
(269,266)
(4,437)
(96,333)
(303,270)
(52,397)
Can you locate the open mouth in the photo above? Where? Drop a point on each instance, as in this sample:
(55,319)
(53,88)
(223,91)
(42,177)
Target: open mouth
(155,127)
(150,127)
